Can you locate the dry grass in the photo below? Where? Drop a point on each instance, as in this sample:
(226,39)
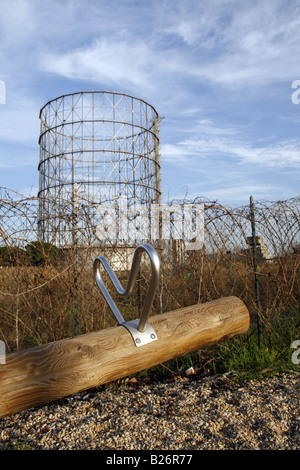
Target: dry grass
(37,303)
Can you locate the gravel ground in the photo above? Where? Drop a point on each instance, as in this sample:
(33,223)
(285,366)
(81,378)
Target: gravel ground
(190,413)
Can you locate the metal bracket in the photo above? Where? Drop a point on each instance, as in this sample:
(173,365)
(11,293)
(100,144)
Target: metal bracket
(140,329)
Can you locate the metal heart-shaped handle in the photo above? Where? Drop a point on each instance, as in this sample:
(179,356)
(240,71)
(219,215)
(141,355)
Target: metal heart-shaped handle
(154,282)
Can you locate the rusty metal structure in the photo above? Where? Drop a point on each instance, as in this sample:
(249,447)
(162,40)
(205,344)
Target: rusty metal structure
(95,147)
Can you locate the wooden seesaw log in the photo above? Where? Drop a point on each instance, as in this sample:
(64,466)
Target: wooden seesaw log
(55,370)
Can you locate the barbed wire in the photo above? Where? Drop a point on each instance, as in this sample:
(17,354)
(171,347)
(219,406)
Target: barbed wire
(46,275)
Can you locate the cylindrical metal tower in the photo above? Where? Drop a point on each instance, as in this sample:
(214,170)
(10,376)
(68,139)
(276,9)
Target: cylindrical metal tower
(94,147)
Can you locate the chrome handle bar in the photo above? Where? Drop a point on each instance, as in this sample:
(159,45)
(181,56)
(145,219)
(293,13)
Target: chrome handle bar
(142,326)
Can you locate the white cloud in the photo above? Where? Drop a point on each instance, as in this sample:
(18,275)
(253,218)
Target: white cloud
(217,142)
(281,155)
(203,65)
(228,43)
(209,128)
(238,44)
(237,193)
(105,61)
(157,48)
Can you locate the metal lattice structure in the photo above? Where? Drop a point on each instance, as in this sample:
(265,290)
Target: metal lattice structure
(95,147)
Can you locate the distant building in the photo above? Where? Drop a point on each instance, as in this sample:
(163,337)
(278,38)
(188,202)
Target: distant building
(262,249)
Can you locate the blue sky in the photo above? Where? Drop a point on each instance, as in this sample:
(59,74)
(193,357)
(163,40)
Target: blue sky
(220,73)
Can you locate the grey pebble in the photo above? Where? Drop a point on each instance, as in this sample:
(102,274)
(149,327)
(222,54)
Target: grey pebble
(197,413)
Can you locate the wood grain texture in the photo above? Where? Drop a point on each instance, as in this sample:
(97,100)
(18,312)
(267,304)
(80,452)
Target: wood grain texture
(48,372)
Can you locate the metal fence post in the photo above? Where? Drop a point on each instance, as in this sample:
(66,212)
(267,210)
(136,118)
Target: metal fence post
(256,281)
(75,257)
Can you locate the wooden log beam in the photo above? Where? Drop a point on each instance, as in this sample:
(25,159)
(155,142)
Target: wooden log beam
(51,371)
